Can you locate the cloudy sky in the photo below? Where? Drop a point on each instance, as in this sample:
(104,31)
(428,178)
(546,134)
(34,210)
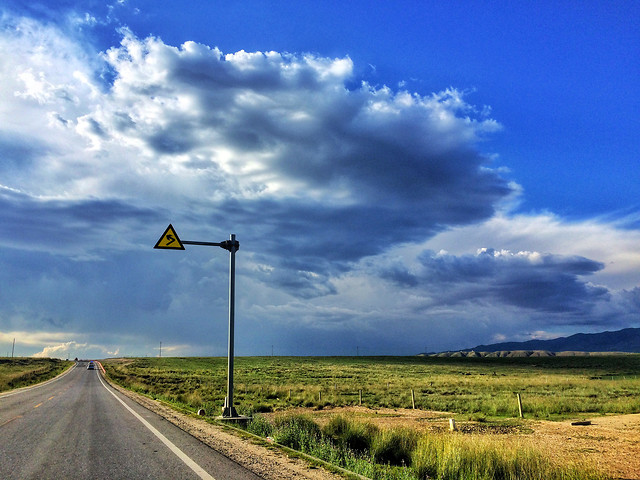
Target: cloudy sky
(400,177)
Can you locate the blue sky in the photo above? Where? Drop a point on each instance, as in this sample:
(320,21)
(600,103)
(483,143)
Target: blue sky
(401,177)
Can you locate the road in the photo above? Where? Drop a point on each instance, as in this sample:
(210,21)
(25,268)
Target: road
(79,427)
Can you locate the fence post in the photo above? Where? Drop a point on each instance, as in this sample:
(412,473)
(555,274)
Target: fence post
(413,399)
(520,405)
(360,396)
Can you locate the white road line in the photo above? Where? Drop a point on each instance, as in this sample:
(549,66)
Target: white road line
(179,453)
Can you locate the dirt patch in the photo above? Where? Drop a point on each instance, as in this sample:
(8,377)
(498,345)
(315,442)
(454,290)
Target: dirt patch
(268,463)
(613,442)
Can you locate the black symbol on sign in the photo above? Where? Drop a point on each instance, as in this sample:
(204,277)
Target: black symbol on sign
(170,237)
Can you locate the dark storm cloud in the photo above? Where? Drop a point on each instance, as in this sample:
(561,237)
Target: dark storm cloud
(307,243)
(84,295)
(65,225)
(543,283)
(632,299)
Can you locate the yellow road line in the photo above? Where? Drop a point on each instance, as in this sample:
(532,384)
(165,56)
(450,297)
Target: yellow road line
(10,420)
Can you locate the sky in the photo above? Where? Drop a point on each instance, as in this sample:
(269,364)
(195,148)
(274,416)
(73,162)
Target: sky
(402,176)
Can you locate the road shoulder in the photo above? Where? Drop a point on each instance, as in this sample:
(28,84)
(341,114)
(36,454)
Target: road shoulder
(268,463)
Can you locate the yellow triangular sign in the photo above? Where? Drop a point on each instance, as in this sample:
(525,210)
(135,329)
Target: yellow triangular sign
(170,240)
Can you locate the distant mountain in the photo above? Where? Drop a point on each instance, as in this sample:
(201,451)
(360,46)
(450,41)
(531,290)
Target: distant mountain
(626,340)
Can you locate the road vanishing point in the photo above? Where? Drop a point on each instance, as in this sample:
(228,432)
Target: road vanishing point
(77,426)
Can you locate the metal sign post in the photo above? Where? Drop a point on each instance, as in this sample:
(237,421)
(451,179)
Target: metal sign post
(170,241)
(229,410)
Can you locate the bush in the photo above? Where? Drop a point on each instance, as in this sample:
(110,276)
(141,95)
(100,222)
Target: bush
(336,427)
(354,436)
(394,447)
(296,431)
(260,426)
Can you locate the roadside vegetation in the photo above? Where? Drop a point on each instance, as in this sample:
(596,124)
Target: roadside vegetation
(23,371)
(481,391)
(404,454)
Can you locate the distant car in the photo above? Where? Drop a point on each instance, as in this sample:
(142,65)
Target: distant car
(91,366)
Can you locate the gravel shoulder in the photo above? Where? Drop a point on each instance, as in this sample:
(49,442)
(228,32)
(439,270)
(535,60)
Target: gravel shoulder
(269,463)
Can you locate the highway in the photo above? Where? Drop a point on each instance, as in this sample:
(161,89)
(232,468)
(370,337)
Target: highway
(79,427)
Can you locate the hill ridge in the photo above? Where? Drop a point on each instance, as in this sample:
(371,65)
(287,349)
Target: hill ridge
(626,340)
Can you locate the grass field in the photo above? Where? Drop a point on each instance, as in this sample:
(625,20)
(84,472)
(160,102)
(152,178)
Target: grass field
(480,389)
(21,372)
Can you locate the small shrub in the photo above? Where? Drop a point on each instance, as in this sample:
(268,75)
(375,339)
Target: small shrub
(337,427)
(354,436)
(394,447)
(296,431)
(260,426)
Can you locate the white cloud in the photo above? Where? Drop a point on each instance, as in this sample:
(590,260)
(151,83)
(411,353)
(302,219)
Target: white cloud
(62,350)
(608,242)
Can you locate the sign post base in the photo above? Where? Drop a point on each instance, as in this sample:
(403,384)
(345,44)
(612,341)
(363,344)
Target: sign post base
(228,411)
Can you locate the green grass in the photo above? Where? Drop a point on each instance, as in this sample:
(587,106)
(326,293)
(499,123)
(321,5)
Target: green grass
(483,389)
(551,388)
(21,372)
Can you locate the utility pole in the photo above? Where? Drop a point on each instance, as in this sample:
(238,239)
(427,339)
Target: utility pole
(160,349)
(13,347)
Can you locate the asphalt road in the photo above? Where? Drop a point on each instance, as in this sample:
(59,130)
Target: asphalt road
(77,427)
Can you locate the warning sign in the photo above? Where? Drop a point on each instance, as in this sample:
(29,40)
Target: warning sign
(170,240)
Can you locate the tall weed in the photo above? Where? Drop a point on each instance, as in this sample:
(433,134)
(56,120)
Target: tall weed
(454,457)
